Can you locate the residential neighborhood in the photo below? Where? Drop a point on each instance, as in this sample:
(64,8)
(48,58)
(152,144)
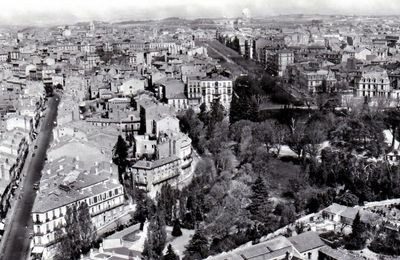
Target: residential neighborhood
(200,130)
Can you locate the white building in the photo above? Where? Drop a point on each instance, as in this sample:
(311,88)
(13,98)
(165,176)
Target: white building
(207,89)
(373,83)
(65,183)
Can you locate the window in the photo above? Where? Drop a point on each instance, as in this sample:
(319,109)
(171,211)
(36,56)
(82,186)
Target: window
(116,191)
(95,200)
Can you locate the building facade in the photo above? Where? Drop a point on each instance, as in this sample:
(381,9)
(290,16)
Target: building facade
(207,89)
(373,84)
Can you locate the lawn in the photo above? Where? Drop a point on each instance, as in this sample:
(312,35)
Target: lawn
(131,237)
(178,243)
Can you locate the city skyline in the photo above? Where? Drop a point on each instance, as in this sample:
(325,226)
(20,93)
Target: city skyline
(26,12)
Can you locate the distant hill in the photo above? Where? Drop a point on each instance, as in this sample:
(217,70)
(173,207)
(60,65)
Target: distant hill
(169,21)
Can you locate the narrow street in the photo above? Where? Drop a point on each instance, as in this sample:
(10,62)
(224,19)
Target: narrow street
(16,241)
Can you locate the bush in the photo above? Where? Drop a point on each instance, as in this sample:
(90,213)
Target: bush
(176,231)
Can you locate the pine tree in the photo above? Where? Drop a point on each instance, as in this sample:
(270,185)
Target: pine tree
(176,231)
(236,109)
(120,155)
(198,246)
(357,239)
(215,115)
(259,198)
(170,255)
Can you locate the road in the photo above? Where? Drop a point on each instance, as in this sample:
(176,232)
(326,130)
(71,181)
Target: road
(16,238)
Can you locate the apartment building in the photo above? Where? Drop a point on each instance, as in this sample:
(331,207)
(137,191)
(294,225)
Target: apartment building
(278,61)
(65,182)
(178,144)
(151,175)
(317,80)
(373,83)
(207,89)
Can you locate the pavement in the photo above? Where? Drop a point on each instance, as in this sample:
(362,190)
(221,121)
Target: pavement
(16,242)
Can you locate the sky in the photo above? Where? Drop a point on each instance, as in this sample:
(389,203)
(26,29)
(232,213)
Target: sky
(41,12)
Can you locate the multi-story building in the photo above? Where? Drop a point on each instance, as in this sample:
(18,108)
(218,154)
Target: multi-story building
(64,184)
(249,49)
(151,175)
(372,82)
(178,144)
(316,81)
(278,61)
(207,89)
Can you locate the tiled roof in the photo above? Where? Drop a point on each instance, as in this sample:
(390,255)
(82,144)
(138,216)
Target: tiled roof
(142,164)
(306,241)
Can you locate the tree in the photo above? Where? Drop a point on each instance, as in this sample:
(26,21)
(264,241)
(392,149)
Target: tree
(236,112)
(176,231)
(358,237)
(120,155)
(64,246)
(79,233)
(392,120)
(259,199)
(296,139)
(215,115)
(170,255)
(145,208)
(386,242)
(192,124)
(166,202)
(198,246)
(348,199)
(72,231)
(87,229)
(156,237)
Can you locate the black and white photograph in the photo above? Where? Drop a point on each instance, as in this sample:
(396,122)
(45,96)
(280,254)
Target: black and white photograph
(200,129)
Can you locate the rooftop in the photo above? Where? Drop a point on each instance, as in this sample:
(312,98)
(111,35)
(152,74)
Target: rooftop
(148,165)
(306,241)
